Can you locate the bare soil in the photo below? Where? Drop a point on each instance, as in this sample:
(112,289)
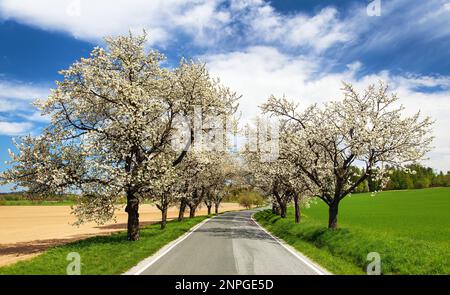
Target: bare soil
(27,231)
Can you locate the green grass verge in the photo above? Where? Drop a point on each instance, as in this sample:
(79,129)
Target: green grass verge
(104,254)
(409,229)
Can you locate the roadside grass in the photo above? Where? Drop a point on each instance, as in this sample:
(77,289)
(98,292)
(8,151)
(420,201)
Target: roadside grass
(409,229)
(111,254)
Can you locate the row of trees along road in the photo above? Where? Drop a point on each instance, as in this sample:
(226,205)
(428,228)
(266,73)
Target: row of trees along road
(112,123)
(320,146)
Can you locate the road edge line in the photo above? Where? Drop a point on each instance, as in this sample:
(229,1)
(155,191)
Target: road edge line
(300,256)
(147,262)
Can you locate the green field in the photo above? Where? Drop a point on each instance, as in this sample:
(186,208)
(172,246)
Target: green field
(19,199)
(35,203)
(105,254)
(410,229)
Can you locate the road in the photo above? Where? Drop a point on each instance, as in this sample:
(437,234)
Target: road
(229,244)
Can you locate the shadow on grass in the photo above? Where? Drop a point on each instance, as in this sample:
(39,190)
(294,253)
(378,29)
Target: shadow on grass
(399,255)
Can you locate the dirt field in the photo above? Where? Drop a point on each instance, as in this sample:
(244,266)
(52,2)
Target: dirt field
(26,231)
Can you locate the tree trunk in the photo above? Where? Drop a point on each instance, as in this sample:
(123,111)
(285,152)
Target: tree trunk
(297,209)
(192,212)
(132,209)
(163,217)
(216,208)
(182,210)
(332,215)
(275,208)
(209,209)
(283,210)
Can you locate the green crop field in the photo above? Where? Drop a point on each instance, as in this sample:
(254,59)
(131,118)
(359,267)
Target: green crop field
(410,229)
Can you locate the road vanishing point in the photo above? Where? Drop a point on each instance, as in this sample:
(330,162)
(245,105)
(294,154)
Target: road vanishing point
(228,244)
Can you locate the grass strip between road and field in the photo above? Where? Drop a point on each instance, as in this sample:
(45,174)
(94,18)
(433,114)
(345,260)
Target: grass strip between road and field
(344,251)
(111,254)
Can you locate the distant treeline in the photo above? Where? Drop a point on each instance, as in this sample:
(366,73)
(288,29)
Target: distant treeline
(19,196)
(417,177)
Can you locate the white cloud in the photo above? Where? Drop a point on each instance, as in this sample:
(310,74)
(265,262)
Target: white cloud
(401,21)
(94,19)
(18,96)
(14,128)
(319,31)
(207,22)
(36,117)
(258,72)
(17,114)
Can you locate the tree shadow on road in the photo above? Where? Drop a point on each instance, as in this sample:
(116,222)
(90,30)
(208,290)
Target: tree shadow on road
(244,232)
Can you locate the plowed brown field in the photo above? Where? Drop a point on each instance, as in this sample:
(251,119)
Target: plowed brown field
(26,231)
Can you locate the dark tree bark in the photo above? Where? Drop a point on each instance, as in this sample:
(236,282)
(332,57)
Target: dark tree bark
(163,217)
(283,210)
(192,211)
(282,203)
(216,208)
(182,209)
(132,209)
(208,202)
(297,208)
(195,201)
(333,214)
(275,208)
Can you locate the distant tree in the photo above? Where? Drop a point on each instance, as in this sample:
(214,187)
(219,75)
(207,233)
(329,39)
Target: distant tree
(258,200)
(246,200)
(274,175)
(441,179)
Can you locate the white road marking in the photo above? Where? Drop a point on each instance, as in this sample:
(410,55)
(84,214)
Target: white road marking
(152,259)
(293,252)
(146,263)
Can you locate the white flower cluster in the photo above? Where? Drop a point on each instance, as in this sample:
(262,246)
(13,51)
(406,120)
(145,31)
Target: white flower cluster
(319,146)
(112,124)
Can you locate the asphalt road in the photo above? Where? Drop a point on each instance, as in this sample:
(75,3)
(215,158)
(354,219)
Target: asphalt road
(229,244)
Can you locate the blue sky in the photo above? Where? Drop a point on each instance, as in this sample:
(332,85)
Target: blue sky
(301,49)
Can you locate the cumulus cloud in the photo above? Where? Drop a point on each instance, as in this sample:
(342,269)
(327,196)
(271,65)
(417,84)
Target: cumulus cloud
(18,96)
(94,19)
(207,22)
(17,113)
(401,23)
(318,32)
(258,72)
(14,128)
